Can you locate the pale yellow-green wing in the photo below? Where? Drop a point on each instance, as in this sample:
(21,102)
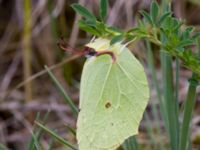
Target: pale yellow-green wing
(113,97)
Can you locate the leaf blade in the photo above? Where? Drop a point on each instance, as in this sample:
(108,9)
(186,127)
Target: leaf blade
(103,9)
(84,12)
(60,139)
(116,39)
(154,10)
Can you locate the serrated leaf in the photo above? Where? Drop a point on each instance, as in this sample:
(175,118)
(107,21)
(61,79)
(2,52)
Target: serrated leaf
(147,17)
(84,12)
(116,39)
(103,9)
(84,26)
(154,10)
(113,97)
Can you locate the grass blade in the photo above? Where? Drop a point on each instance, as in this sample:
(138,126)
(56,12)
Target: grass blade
(131,144)
(63,93)
(51,144)
(34,144)
(73,131)
(188,107)
(37,133)
(56,136)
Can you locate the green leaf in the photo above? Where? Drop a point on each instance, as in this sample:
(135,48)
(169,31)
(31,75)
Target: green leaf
(101,27)
(163,17)
(147,17)
(113,97)
(85,27)
(138,32)
(154,10)
(186,42)
(103,9)
(114,29)
(84,12)
(186,33)
(116,39)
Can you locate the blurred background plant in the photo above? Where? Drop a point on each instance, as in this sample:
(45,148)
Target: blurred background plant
(29,32)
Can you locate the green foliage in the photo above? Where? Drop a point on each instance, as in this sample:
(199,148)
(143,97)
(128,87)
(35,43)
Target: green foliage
(84,12)
(86,26)
(103,9)
(116,39)
(177,41)
(154,11)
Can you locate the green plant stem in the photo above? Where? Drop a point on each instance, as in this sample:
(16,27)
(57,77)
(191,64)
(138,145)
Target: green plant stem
(177,83)
(150,60)
(131,144)
(170,102)
(188,108)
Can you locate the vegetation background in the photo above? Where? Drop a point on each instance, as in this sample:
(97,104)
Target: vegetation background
(29,32)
